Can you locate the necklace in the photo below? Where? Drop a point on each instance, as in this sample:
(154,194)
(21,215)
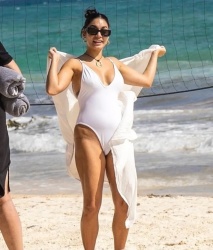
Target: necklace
(98,61)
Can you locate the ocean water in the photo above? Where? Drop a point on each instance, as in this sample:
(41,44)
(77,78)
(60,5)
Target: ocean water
(175,143)
(29,28)
(173,151)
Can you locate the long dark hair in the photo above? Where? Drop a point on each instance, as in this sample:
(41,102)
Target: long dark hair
(90,14)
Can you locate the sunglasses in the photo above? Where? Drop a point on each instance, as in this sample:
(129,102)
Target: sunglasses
(94,31)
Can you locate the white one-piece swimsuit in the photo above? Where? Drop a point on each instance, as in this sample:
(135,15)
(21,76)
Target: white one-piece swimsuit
(100,108)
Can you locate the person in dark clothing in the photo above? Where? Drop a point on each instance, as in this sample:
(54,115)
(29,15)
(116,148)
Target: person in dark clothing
(10,225)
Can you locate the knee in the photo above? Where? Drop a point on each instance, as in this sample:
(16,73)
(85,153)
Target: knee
(121,206)
(91,209)
(4,199)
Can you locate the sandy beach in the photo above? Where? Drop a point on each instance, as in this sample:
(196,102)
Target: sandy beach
(51,222)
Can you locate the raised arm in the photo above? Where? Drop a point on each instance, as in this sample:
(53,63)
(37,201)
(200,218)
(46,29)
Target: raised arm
(57,82)
(132,77)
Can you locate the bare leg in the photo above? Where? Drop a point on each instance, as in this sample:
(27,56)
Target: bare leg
(90,162)
(120,232)
(10,224)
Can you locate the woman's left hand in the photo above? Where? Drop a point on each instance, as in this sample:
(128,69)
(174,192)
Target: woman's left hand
(161,51)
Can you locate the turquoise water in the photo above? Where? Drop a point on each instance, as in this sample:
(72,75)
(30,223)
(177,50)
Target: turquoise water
(29,28)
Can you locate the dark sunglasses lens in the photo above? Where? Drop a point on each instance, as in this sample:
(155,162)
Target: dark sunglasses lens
(92,31)
(105,32)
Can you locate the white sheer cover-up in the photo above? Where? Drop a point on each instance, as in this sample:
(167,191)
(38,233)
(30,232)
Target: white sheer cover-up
(121,144)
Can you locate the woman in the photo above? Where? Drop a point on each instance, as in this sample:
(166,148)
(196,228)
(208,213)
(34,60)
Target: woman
(10,225)
(97,82)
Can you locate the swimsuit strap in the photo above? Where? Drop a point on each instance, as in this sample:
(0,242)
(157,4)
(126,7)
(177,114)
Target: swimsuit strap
(110,60)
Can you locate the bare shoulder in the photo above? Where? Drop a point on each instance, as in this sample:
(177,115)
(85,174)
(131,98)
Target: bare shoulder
(116,61)
(73,63)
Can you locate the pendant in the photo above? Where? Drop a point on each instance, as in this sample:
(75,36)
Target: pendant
(98,64)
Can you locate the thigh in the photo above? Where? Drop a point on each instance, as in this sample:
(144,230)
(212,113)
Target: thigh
(4,192)
(110,172)
(4,151)
(90,162)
